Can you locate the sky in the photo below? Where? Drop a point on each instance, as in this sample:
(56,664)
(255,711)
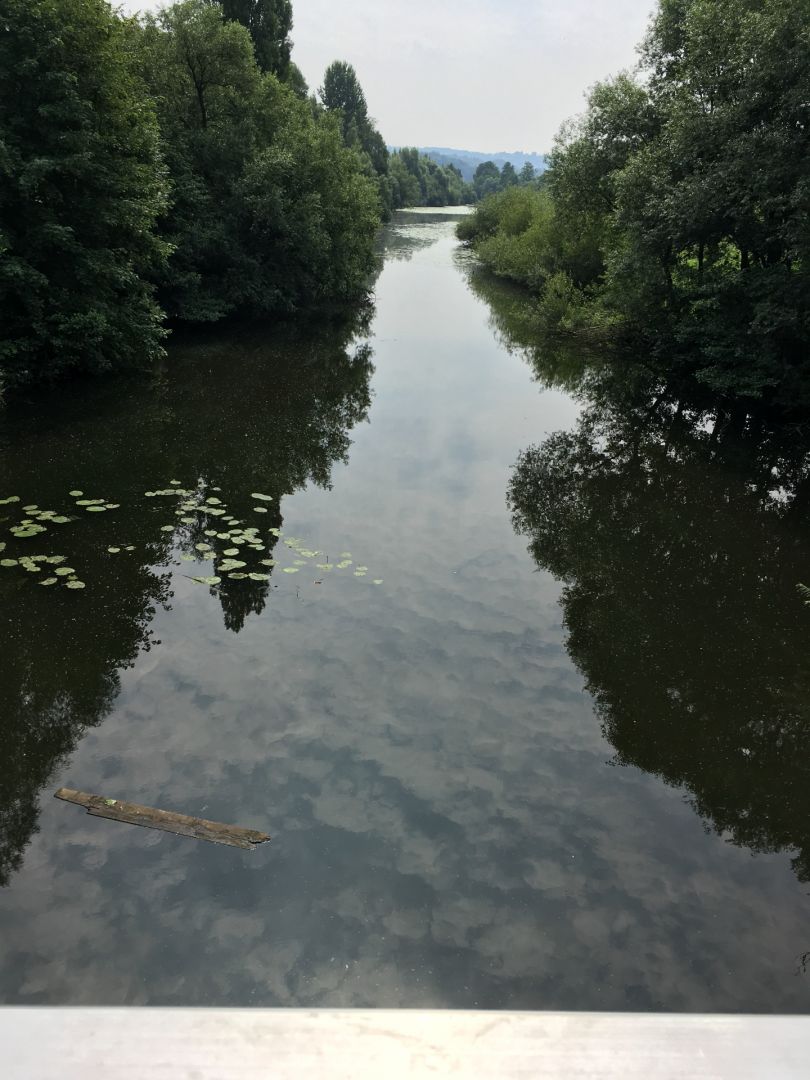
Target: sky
(483,75)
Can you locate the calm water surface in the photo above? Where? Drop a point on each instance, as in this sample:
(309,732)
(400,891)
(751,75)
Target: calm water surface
(483,791)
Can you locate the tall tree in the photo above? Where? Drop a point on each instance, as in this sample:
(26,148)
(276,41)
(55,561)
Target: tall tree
(487,179)
(82,186)
(341,91)
(509,177)
(269,23)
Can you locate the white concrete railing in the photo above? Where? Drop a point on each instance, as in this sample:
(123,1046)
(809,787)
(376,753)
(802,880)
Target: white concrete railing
(248,1044)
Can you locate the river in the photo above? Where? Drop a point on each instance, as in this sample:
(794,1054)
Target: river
(466,811)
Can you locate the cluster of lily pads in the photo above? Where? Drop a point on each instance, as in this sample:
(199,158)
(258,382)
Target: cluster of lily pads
(230,562)
(35,564)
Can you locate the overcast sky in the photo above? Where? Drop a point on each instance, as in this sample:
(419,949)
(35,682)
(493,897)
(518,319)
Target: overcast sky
(472,74)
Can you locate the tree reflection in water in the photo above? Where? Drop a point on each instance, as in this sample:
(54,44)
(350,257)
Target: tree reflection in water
(257,411)
(680,527)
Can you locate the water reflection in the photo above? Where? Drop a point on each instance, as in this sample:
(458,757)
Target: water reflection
(257,411)
(446,829)
(679,525)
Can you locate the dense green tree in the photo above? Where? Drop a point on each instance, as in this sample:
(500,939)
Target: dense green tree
(269,23)
(527,174)
(343,96)
(341,92)
(680,202)
(81,187)
(509,177)
(271,211)
(418,181)
(487,179)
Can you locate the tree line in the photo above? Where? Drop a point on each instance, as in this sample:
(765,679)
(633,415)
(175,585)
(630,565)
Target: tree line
(404,177)
(674,213)
(174,166)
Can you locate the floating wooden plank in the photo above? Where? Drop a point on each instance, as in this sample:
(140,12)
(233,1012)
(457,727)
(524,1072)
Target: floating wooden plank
(166,820)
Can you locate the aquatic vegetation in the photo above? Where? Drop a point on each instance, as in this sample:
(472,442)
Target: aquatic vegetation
(194,507)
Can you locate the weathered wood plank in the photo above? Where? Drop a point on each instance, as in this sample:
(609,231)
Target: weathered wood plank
(166,820)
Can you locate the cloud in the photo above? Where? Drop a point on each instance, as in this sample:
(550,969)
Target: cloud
(473,74)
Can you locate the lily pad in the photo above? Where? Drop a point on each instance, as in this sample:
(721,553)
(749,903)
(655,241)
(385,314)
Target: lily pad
(377,581)
(188,558)
(9,499)
(56,559)
(167,528)
(267,562)
(263,498)
(290,569)
(113,550)
(231,551)
(63,571)
(237,576)
(61,520)
(8,562)
(258,577)
(76,494)
(260,509)
(96,509)
(207,580)
(49,581)
(111,506)
(75,584)
(129,547)
(231,564)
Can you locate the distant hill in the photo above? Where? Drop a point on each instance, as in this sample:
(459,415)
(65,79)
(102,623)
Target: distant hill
(467,161)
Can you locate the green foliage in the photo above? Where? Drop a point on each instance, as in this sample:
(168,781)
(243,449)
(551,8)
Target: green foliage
(418,181)
(269,23)
(82,187)
(178,152)
(487,179)
(271,211)
(341,92)
(404,178)
(343,97)
(680,204)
